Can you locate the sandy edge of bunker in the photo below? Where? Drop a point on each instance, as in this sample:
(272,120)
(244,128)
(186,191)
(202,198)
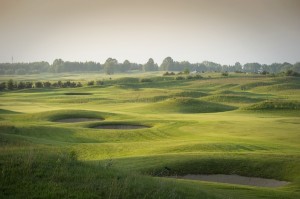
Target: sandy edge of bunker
(234,179)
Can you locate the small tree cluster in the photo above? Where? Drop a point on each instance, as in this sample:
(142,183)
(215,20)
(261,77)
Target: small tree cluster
(168,73)
(11,85)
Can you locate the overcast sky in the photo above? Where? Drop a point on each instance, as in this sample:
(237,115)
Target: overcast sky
(223,31)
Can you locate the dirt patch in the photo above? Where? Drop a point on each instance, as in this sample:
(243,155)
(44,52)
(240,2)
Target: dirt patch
(121,126)
(74,120)
(235,179)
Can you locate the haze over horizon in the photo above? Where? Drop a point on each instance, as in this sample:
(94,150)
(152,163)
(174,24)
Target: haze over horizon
(223,31)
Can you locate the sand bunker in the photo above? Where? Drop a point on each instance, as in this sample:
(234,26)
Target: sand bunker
(235,179)
(120,126)
(73,120)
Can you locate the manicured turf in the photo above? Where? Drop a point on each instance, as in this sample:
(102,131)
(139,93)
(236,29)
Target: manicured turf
(244,125)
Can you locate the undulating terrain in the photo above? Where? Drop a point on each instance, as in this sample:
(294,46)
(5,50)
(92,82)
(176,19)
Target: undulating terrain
(77,142)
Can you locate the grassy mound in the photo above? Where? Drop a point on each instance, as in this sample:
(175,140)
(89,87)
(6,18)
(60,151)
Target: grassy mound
(275,105)
(232,99)
(61,175)
(4,111)
(66,114)
(189,105)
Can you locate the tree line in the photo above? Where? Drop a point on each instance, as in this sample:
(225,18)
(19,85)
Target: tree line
(112,66)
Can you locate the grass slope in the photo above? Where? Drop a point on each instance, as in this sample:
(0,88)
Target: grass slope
(205,126)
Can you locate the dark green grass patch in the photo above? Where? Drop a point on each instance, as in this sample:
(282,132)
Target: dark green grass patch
(275,105)
(188,105)
(232,99)
(4,111)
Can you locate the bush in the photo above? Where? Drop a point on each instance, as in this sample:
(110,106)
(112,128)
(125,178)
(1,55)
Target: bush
(2,86)
(179,78)
(38,85)
(91,83)
(291,73)
(99,82)
(168,74)
(198,76)
(10,84)
(47,84)
(78,84)
(264,72)
(225,74)
(21,85)
(28,84)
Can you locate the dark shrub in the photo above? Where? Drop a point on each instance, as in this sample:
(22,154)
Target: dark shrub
(145,80)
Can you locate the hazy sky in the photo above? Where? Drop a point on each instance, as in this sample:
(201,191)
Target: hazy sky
(224,31)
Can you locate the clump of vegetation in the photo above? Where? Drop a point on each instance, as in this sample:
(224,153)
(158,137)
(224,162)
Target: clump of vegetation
(179,78)
(225,74)
(275,105)
(292,73)
(145,80)
(91,83)
(168,73)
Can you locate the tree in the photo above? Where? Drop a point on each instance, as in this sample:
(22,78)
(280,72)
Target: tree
(110,65)
(47,84)
(167,64)
(2,86)
(21,85)
(296,67)
(125,66)
(237,66)
(91,83)
(10,84)
(38,84)
(58,65)
(28,84)
(186,71)
(150,66)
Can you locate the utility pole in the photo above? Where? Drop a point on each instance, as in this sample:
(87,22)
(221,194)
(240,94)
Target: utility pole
(12,59)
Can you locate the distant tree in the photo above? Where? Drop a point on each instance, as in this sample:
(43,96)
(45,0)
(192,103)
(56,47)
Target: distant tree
(125,66)
(91,83)
(252,67)
(21,85)
(292,73)
(78,84)
(186,71)
(10,84)
(167,64)
(38,85)
(2,86)
(99,82)
(73,84)
(58,65)
(296,67)
(225,74)
(20,71)
(237,66)
(150,66)
(28,84)
(47,84)
(59,84)
(110,65)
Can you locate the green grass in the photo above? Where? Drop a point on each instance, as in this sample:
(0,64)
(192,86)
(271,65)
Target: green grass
(241,124)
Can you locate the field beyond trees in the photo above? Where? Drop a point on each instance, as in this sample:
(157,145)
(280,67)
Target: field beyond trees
(124,134)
